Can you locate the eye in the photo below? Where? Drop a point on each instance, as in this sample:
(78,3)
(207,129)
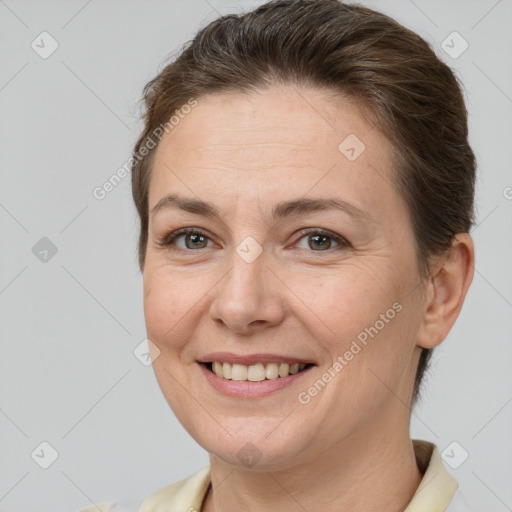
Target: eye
(320,240)
(193,238)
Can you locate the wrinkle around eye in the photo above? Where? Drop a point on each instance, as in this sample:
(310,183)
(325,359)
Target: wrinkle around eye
(291,236)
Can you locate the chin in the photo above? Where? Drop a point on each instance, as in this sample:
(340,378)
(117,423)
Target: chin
(252,443)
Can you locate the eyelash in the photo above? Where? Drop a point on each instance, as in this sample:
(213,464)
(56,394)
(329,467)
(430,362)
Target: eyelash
(167,240)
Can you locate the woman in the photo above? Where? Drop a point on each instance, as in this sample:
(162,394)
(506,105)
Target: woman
(305,190)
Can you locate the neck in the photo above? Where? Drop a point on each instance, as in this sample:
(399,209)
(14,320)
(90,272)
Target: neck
(370,472)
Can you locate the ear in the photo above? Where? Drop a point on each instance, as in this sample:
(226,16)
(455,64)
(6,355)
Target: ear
(446,290)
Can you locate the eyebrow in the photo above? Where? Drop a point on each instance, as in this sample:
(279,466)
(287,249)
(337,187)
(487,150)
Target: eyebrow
(295,207)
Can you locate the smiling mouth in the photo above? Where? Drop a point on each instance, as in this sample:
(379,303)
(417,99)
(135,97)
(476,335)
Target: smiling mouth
(255,372)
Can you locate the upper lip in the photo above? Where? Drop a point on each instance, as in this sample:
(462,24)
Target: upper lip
(250,359)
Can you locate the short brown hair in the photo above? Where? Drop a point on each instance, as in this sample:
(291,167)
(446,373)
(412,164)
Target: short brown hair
(386,68)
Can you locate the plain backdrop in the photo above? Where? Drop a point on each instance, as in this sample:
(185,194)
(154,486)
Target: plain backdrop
(71,291)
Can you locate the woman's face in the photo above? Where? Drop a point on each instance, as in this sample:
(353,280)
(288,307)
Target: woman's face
(275,279)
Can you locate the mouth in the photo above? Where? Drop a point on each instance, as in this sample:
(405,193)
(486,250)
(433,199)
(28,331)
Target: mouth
(252,376)
(255,372)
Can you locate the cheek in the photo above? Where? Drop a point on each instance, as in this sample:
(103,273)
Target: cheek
(167,307)
(376,350)
(370,326)
(169,321)
(348,300)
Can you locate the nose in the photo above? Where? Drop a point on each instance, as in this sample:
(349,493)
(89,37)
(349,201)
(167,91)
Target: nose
(248,298)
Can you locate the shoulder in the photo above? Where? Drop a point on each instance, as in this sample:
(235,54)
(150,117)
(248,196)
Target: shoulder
(184,495)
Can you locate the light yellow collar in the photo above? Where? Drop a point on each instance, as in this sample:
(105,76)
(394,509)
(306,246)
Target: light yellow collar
(437,487)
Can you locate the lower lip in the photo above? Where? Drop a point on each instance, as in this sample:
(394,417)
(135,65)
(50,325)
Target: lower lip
(249,389)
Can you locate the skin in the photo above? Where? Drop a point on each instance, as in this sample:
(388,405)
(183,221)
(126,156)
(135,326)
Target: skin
(349,448)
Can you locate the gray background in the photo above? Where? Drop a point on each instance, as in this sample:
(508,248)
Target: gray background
(68,375)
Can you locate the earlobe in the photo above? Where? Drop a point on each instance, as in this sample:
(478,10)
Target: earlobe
(446,291)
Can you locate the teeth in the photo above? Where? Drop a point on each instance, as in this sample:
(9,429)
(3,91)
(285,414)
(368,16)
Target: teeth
(272,371)
(226,371)
(255,372)
(284,369)
(238,372)
(217,369)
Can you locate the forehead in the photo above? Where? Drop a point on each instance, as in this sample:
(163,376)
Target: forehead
(266,144)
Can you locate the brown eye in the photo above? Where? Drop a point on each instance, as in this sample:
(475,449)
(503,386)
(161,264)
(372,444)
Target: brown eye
(322,241)
(197,241)
(193,239)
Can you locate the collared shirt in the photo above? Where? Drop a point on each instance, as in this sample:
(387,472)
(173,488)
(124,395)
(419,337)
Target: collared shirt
(437,492)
